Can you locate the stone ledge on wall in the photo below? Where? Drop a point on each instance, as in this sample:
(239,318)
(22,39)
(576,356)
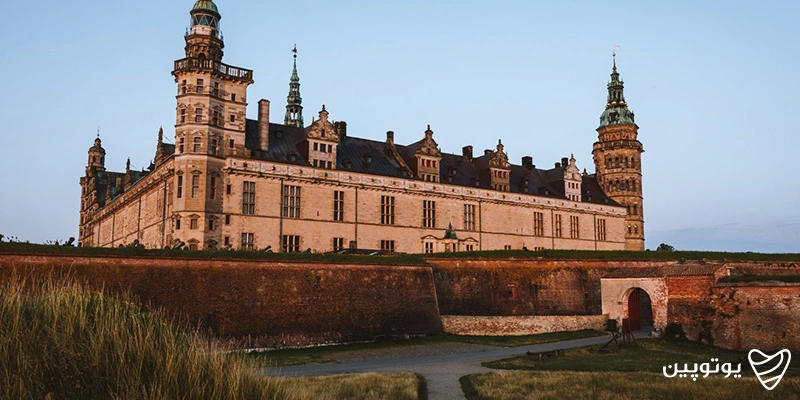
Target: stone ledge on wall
(520,325)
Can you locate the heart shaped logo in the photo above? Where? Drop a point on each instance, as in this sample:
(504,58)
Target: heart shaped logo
(770,382)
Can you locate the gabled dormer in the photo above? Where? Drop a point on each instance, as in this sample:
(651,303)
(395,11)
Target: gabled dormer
(428,158)
(499,169)
(323,140)
(572,180)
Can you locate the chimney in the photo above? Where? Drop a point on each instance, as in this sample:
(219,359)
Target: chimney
(527,162)
(565,161)
(488,152)
(263,125)
(466,151)
(390,137)
(558,165)
(341,129)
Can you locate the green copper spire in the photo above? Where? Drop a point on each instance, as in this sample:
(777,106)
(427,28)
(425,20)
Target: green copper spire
(617,112)
(294,103)
(207,5)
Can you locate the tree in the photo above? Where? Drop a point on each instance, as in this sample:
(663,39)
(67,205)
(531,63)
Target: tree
(665,247)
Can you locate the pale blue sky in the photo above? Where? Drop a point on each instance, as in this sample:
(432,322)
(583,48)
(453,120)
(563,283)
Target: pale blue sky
(715,87)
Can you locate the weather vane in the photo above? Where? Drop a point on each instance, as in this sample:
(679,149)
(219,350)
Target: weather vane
(294,50)
(614,52)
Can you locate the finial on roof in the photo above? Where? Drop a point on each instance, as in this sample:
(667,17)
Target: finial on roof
(294,50)
(98,131)
(614,55)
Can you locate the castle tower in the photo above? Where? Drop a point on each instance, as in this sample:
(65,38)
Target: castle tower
(617,160)
(209,126)
(294,103)
(89,196)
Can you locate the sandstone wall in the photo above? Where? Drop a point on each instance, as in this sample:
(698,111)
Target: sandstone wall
(273,303)
(516,326)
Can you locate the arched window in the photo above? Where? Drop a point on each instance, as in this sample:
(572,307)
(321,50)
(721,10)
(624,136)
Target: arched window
(616,162)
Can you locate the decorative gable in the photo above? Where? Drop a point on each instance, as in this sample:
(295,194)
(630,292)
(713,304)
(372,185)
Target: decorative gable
(323,129)
(428,158)
(499,169)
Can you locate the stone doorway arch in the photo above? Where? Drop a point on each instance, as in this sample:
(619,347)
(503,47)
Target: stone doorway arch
(639,310)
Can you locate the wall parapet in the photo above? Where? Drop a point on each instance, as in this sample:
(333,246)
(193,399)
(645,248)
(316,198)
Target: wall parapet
(520,325)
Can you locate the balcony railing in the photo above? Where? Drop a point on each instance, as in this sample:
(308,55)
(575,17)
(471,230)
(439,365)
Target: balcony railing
(203,64)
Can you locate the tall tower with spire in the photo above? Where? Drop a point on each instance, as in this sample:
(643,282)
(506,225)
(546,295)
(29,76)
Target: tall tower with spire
(294,103)
(209,126)
(617,160)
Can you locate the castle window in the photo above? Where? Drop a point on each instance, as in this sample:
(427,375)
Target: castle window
(249,198)
(227,219)
(633,162)
(291,201)
(469,217)
(387,210)
(469,247)
(227,241)
(338,205)
(195,185)
(198,115)
(215,118)
(538,224)
(633,185)
(630,230)
(338,244)
(247,241)
(183,87)
(511,291)
(428,247)
(387,245)
(635,209)
(428,214)
(636,229)
(626,162)
(178,223)
(181,145)
(196,147)
(233,96)
(290,243)
(212,191)
(215,91)
(230,143)
(199,88)
(601,230)
(228,189)
(233,118)
(616,162)
(316,146)
(507,247)
(211,225)
(214,143)
(193,223)
(557,224)
(180,186)
(183,115)
(574,227)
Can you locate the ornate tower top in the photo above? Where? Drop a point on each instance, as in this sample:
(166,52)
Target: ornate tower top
(616,112)
(294,103)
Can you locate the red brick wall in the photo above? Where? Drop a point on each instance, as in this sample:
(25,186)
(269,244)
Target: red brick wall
(274,303)
(542,287)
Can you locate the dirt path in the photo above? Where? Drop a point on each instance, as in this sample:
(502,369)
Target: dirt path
(442,364)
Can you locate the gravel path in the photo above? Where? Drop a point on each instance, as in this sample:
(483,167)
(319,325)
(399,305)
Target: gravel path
(442,364)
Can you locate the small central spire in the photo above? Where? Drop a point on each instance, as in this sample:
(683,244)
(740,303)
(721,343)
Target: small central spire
(294,103)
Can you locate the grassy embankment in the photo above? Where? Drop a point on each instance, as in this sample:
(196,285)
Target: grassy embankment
(61,341)
(629,373)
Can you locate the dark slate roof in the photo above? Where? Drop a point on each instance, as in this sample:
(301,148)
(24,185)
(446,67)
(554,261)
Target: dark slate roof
(672,270)
(288,144)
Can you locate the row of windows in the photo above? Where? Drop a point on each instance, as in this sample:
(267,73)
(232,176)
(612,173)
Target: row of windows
(217,118)
(617,162)
(621,185)
(323,148)
(199,88)
(197,145)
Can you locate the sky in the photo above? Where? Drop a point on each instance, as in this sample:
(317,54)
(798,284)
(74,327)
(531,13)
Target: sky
(714,85)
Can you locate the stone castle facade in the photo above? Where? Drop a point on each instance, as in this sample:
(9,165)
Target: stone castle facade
(230,182)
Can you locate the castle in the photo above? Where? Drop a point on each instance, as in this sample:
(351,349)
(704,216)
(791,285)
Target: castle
(230,182)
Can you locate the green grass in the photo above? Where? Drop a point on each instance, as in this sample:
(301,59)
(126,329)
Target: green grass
(557,385)
(649,356)
(60,340)
(627,373)
(370,386)
(18,248)
(760,278)
(325,354)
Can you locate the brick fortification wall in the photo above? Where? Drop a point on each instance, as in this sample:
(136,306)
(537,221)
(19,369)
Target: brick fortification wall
(275,303)
(523,287)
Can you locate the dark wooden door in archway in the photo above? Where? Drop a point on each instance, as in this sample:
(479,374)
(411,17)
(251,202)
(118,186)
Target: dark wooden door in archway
(635,309)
